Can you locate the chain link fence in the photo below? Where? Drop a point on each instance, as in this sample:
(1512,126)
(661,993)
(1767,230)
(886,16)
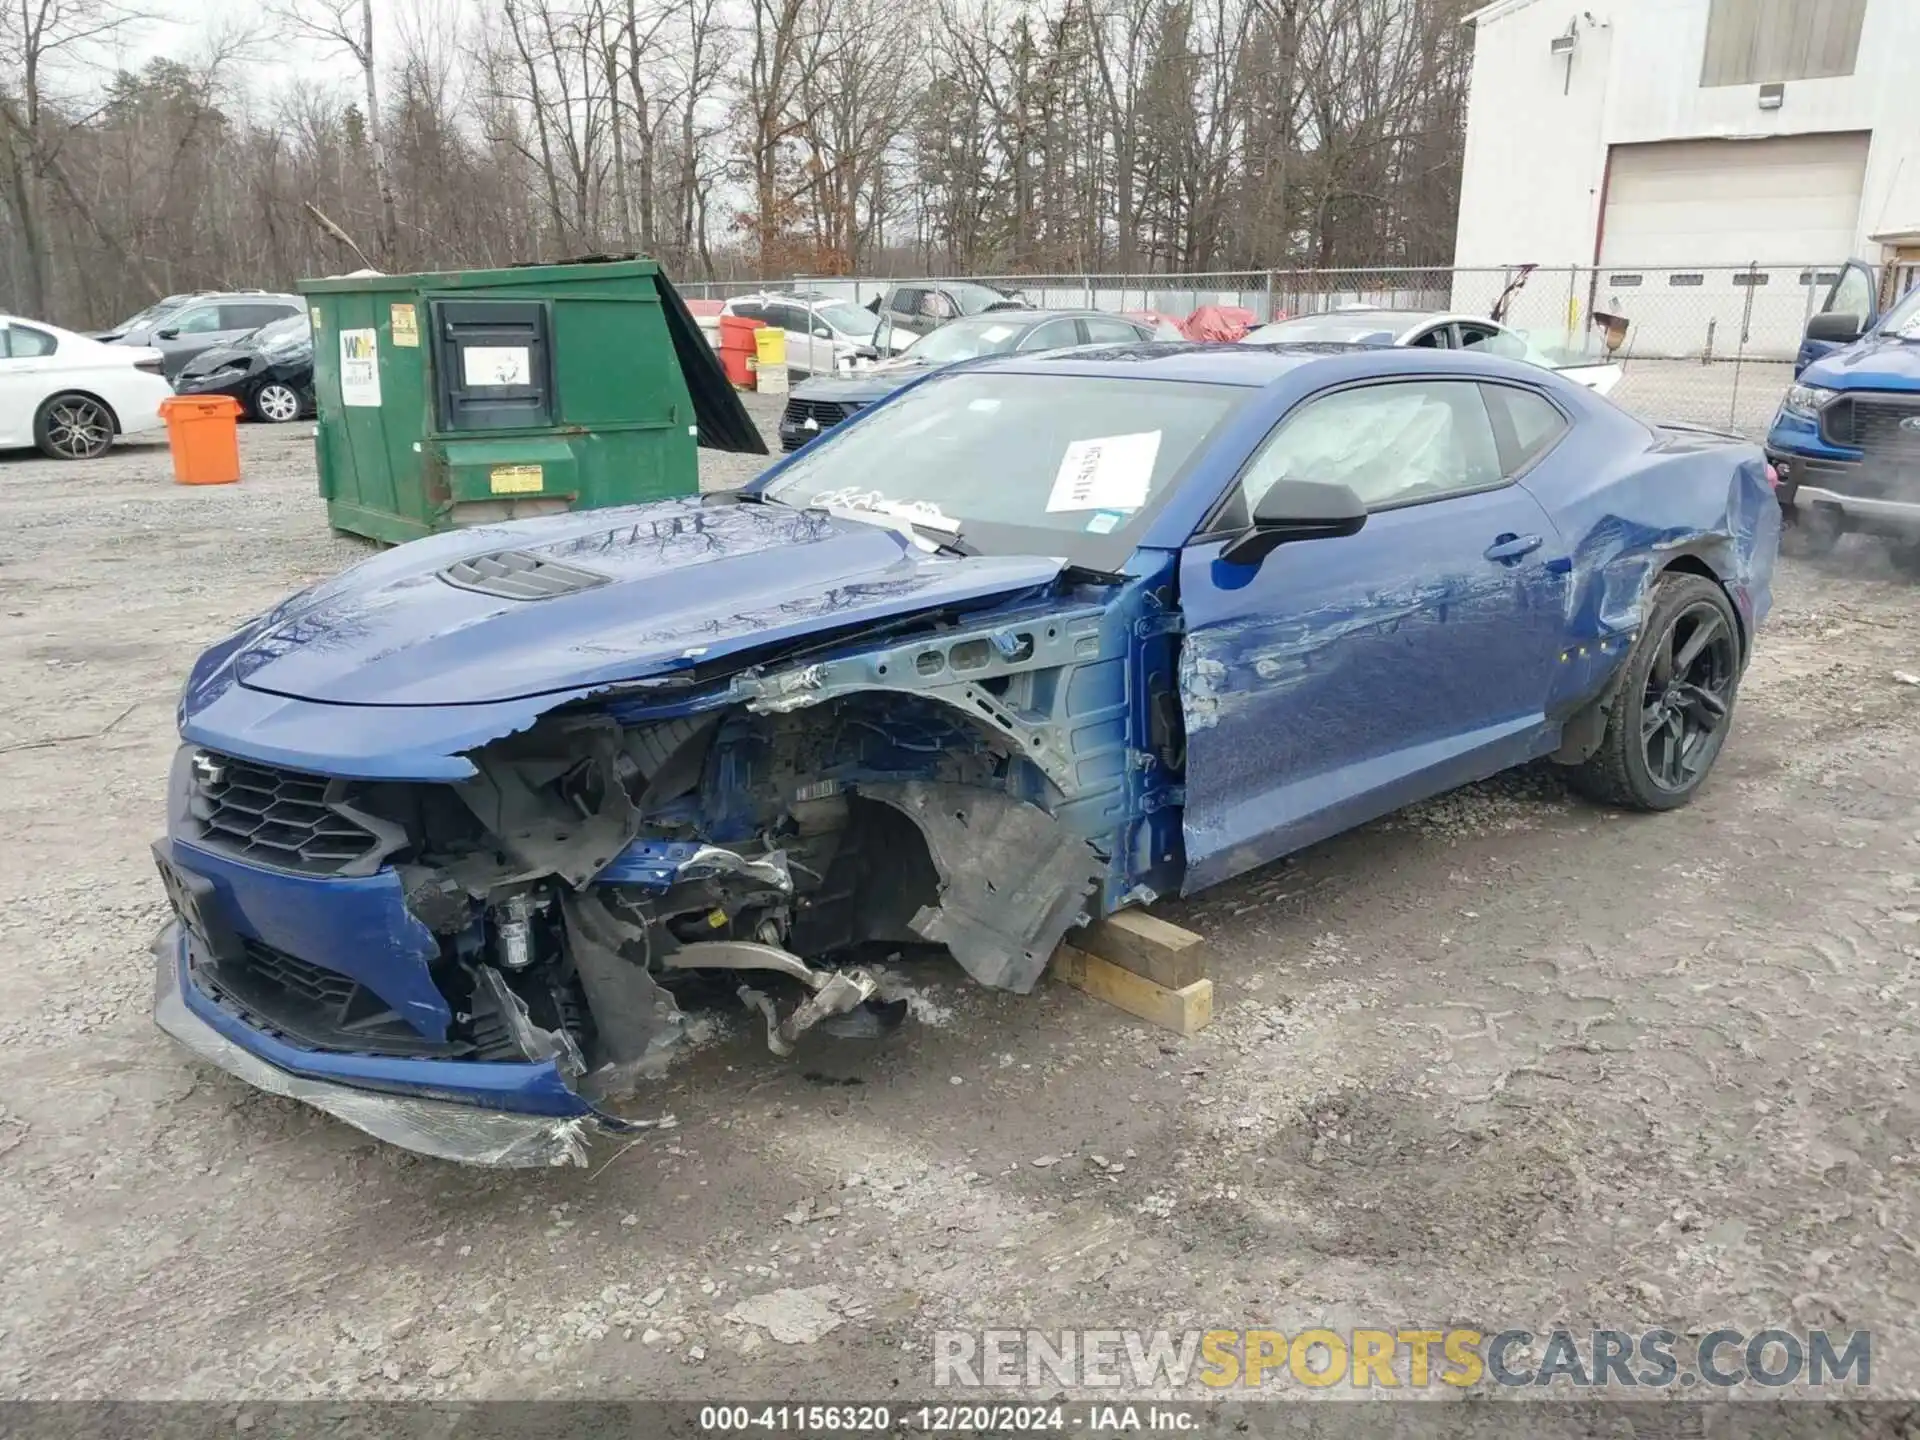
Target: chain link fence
(1707,344)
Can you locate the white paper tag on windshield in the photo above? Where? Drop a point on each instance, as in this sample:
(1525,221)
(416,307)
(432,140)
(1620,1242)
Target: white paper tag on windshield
(1110,473)
(994,334)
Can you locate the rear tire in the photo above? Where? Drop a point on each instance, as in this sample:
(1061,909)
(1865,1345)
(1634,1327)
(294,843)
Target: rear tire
(1672,702)
(74,427)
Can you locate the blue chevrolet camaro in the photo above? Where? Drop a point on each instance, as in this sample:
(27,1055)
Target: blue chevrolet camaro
(453,834)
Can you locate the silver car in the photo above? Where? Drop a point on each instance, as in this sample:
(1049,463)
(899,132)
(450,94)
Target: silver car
(181,331)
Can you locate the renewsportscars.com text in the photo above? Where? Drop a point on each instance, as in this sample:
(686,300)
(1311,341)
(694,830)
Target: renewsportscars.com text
(1138,1360)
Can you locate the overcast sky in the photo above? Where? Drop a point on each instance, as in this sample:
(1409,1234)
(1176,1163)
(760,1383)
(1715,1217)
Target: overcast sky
(181,29)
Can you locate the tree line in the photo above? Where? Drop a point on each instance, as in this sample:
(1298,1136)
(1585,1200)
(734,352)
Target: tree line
(729,138)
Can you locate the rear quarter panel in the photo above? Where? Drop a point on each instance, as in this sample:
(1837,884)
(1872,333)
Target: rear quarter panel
(1631,502)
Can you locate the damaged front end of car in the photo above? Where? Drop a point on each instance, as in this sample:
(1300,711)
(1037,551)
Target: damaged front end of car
(486,962)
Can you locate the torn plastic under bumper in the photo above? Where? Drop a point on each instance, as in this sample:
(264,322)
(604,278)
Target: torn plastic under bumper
(446,1129)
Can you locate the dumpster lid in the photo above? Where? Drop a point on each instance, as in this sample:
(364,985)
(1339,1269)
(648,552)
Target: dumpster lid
(724,422)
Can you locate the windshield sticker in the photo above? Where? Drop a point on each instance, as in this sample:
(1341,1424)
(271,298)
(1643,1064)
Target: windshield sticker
(1109,473)
(994,334)
(984,406)
(1105,522)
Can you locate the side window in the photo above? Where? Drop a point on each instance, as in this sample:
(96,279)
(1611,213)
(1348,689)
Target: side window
(936,305)
(906,300)
(1391,444)
(1852,295)
(252,317)
(750,310)
(1051,336)
(1434,339)
(1101,331)
(23,342)
(199,320)
(1524,425)
(787,317)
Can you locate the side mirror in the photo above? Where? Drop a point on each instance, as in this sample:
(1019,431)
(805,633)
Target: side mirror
(1834,327)
(170,333)
(821,332)
(1296,510)
(883,337)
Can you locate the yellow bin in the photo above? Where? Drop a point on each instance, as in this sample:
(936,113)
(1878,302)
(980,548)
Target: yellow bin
(770,345)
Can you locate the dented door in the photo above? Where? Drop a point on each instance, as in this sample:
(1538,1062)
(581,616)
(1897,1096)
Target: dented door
(1343,678)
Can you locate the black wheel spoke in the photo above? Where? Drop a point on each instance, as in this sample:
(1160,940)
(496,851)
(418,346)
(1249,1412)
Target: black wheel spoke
(1705,630)
(1662,672)
(1651,719)
(1705,708)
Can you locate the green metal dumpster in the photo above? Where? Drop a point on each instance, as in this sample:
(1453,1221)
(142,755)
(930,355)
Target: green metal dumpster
(475,396)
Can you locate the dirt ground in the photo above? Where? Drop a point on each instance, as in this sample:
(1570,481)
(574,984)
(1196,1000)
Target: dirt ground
(1503,1060)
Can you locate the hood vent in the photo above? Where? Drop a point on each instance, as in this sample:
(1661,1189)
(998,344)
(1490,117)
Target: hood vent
(517,575)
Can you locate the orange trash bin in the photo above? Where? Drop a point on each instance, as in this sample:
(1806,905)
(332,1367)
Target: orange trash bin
(203,434)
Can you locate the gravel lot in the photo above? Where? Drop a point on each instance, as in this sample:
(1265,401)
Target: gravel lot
(1505,1059)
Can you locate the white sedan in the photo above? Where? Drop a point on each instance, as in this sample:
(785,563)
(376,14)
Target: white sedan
(1433,330)
(69,395)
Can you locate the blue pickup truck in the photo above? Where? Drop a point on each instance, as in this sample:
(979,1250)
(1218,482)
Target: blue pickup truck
(1846,440)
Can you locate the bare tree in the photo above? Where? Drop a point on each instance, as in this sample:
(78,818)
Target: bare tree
(346,27)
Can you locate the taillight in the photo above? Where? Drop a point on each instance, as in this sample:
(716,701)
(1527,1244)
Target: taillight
(152,367)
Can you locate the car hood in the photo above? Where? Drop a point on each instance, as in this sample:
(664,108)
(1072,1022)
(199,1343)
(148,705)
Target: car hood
(208,361)
(866,386)
(667,587)
(1879,362)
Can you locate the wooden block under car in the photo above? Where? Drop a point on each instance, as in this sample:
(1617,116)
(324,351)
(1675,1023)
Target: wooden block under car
(1137,941)
(1186,1010)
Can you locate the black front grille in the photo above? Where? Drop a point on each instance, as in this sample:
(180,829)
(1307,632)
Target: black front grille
(1884,425)
(310,1005)
(825,414)
(284,818)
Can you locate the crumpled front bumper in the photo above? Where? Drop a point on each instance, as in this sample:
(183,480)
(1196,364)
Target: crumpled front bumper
(443,1129)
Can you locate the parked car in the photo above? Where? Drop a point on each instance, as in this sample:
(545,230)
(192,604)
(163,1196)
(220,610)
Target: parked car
(206,321)
(70,395)
(923,305)
(824,336)
(147,320)
(270,372)
(1846,439)
(819,405)
(1432,330)
(448,832)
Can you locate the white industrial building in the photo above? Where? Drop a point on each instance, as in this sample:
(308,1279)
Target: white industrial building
(1647,151)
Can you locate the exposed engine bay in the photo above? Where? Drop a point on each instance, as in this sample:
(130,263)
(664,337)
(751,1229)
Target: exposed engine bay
(593,871)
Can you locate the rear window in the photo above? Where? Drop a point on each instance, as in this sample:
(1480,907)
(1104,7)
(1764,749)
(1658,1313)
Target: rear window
(23,342)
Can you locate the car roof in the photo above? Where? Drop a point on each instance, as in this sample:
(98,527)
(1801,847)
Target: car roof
(1027,316)
(1211,363)
(1362,317)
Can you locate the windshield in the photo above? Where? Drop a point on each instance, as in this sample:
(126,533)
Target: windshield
(973,299)
(1377,328)
(293,333)
(846,318)
(967,339)
(1021,463)
(1904,319)
(152,312)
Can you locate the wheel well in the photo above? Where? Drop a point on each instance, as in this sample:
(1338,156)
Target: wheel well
(1694,565)
(112,414)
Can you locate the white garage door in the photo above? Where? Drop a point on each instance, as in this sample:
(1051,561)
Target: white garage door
(1790,200)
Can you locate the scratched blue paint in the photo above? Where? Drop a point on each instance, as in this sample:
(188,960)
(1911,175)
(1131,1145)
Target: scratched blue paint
(1183,717)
